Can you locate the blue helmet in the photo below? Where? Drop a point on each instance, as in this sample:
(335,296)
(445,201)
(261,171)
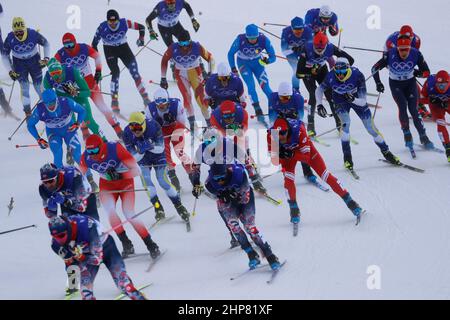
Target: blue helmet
(297,23)
(252,31)
(49,99)
(49,171)
(60,229)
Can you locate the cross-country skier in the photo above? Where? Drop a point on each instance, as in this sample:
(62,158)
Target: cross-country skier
(22,43)
(293,39)
(3,101)
(236,203)
(436,91)
(186,55)
(77,55)
(144,140)
(117,169)
(168,14)
(312,67)
(251,64)
(288,144)
(224,85)
(113,33)
(322,19)
(401,62)
(349,92)
(169,113)
(77,240)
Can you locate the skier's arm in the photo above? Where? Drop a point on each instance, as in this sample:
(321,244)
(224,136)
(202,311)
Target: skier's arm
(43,42)
(96,40)
(48,213)
(158,143)
(231,53)
(165,61)
(84,91)
(208,57)
(78,109)
(342,54)
(152,16)
(240,91)
(270,51)
(302,70)
(320,92)
(189,10)
(137,26)
(285,46)
(31,124)
(377,67)
(424,70)
(131,147)
(361,99)
(129,161)
(97,57)
(181,115)
(334,27)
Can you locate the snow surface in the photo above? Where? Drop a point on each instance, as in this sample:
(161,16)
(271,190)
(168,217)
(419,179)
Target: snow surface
(406,230)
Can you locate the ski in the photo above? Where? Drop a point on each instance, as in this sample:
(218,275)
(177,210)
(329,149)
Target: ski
(275,273)
(270,199)
(352,173)
(154,261)
(160,221)
(136,255)
(122,296)
(319,185)
(229,250)
(431,149)
(73,295)
(295,229)
(258,267)
(404,166)
(358,218)
(320,141)
(188,226)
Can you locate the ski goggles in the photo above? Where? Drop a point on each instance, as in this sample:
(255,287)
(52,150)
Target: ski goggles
(325,19)
(161,101)
(184,43)
(19,33)
(224,78)
(442,86)
(252,39)
(136,127)
(219,177)
(228,116)
(93,151)
(341,71)
(69,45)
(298,31)
(284,99)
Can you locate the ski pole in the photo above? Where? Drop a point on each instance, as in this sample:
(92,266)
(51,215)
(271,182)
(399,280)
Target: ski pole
(195,208)
(376,106)
(154,82)
(11,92)
(327,132)
(18,229)
(281,57)
(268,32)
(128,220)
(363,49)
(275,24)
(105,93)
(5,83)
(154,51)
(26,145)
(119,191)
(17,129)
(339,41)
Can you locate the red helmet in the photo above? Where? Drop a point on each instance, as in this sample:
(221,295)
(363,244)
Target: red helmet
(406,31)
(94,145)
(320,42)
(442,81)
(228,108)
(69,41)
(282,125)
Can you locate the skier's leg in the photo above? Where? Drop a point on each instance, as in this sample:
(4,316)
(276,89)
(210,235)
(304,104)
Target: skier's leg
(196,82)
(310,85)
(128,203)
(438,114)
(229,214)
(413,101)
(365,115)
(263,80)
(129,60)
(109,201)
(72,143)
(400,98)
(113,64)
(88,273)
(247,75)
(55,142)
(293,61)
(343,112)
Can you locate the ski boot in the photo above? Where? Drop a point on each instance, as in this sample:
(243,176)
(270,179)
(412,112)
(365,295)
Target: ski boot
(311,178)
(253,258)
(174,179)
(159,210)
(294,212)
(257,185)
(408,139)
(310,127)
(127,245)
(70,292)
(183,213)
(152,247)
(259,115)
(352,205)
(273,262)
(95,189)
(389,156)
(348,162)
(425,141)
(118,130)
(447,151)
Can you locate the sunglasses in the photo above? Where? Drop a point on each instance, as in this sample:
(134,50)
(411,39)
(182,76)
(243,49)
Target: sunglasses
(224,78)
(19,33)
(184,43)
(49,181)
(442,86)
(93,151)
(252,39)
(161,101)
(136,127)
(69,45)
(113,21)
(341,71)
(228,116)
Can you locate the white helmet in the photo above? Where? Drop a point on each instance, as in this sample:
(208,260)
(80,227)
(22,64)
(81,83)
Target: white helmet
(223,70)
(342,61)
(160,95)
(325,12)
(285,89)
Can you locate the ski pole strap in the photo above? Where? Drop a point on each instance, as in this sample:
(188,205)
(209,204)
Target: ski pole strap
(363,49)
(18,229)
(128,220)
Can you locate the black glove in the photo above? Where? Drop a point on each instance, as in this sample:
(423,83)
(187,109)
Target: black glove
(264,61)
(235,70)
(140,42)
(70,89)
(435,100)
(197,190)
(285,153)
(380,87)
(349,97)
(195,24)
(321,111)
(153,34)
(418,73)
(98,76)
(113,175)
(212,103)
(443,104)
(14,75)
(163,84)
(168,118)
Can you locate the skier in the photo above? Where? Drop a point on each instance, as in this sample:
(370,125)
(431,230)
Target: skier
(169,113)
(251,62)
(187,54)
(23,43)
(231,119)
(68,82)
(74,54)
(288,103)
(288,144)
(168,14)
(293,39)
(77,241)
(322,19)
(312,68)
(117,168)
(349,92)
(236,202)
(144,140)
(3,102)
(113,34)
(436,91)
(402,81)
(224,85)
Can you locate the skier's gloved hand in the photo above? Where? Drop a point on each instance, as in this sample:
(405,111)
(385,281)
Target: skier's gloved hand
(144,146)
(112,175)
(98,76)
(380,87)
(264,61)
(197,190)
(70,89)
(211,102)
(163,83)
(78,253)
(285,153)
(14,75)
(321,111)
(59,197)
(153,34)
(349,97)
(418,73)
(168,118)
(43,62)
(140,42)
(42,143)
(235,70)
(73,127)
(195,24)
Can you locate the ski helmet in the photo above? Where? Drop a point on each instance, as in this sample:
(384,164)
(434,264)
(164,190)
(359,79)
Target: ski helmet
(161,98)
(320,42)
(55,69)
(49,99)
(285,89)
(442,81)
(137,123)
(94,145)
(112,15)
(228,111)
(49,171)
(19,28)
(184,39)
(297,23)
(341,68)
(403,47)
(406,31)
(219,172)
(325,13)
(282,126)
(69,41)
(59,228)
(252,31)
(223,70)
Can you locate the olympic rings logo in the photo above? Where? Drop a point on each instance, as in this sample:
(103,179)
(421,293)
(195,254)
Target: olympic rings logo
(104,166)
(186,59)
(318,60)
(226,92)
(24,47)
(293,43)
(170,16)
(344,88)
(403,66)
(77,60)
(57,123)
(251,52)
(113,37)
(442,97)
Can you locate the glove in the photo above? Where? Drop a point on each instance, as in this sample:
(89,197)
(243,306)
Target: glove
(55,199)
(305,75)
(163,83)
(349,97)
(70,89)
(195,24)
(444,104)
(98,76)
(285,153)
(42,143)
(113,175)
(78,253)
(380,87)
(73,127)
(314,69)
(140,42)
(144,146)
(321,111)
(14,75)
(418,73)
(211,102)
(264,61)
(168,118)
(43,62)
(197,190)
(153,34)
(235,70)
